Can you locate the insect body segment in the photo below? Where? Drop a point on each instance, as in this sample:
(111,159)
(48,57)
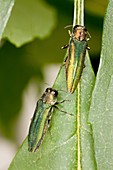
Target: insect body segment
(74,62)
(41,118)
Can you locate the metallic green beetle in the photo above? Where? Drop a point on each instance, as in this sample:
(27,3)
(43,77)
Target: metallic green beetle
(41,118)
(74,62)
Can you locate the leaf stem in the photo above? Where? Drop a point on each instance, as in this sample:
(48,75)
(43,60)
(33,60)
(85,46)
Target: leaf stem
(78,20)
(78,129)
(78,12)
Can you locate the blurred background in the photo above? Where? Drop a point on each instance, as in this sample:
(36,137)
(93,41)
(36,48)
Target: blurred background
(30,58)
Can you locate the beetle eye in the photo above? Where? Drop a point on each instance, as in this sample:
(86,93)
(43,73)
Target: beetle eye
(56,93)
(48,90)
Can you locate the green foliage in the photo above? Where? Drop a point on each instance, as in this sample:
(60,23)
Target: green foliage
(59,148)
(91,104)
(25,23)
(19,65)
(101,112)
(5,11)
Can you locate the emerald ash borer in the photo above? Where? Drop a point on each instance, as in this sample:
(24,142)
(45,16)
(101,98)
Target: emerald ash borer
(41,118)
(74,62)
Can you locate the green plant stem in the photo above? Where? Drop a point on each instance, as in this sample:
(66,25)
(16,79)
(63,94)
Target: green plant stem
(78,12)
(78,20)
(78,128)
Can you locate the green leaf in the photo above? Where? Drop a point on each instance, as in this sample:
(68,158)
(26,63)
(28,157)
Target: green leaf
(30,19)
(68,143)
(59,149)
(5,11)
(101,113)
